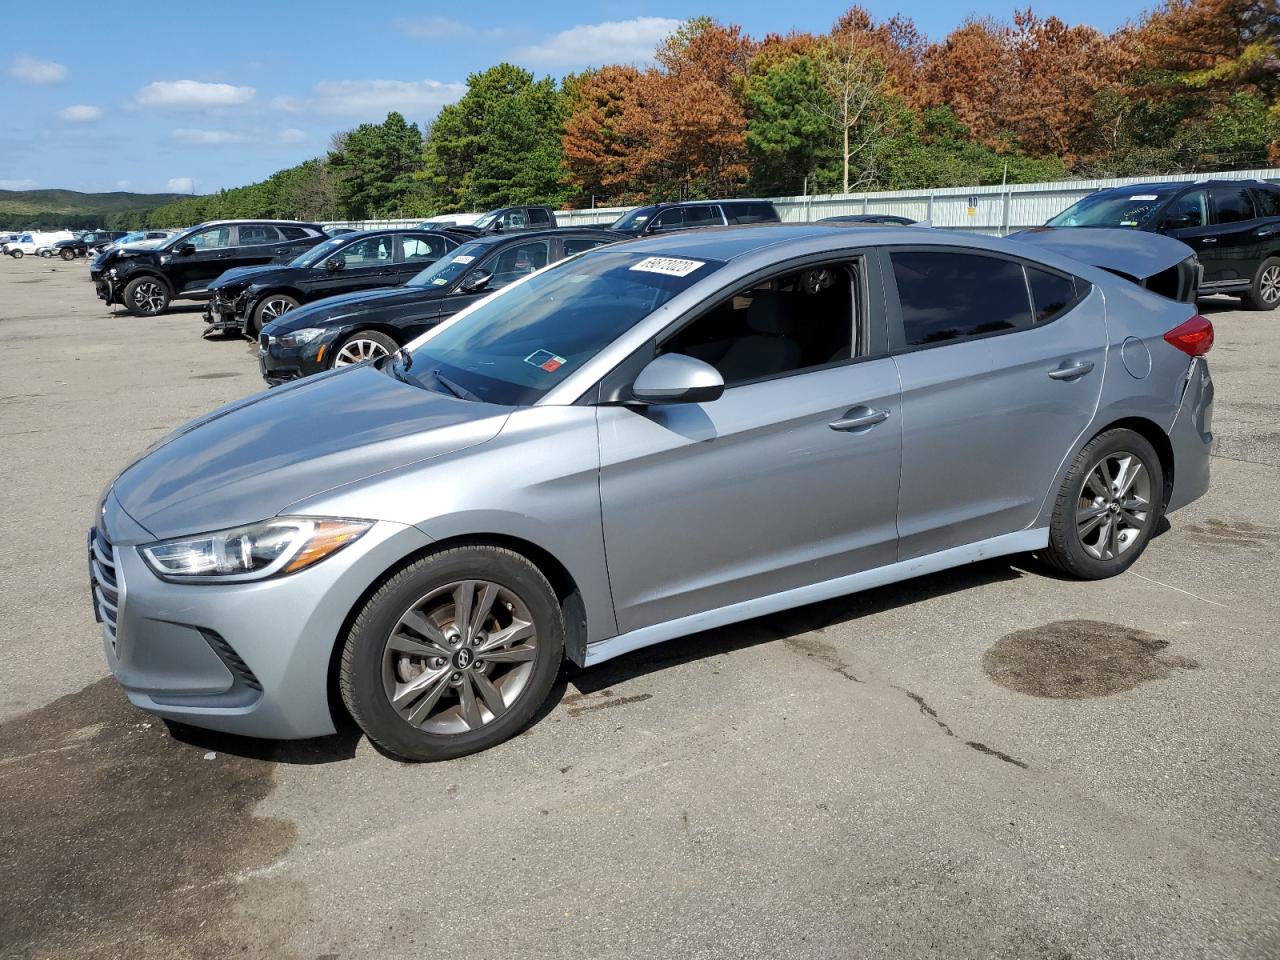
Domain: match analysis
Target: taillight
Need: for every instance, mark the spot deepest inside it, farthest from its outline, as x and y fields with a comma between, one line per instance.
x=1194, y=338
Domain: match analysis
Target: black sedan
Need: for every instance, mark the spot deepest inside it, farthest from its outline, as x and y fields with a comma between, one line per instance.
x=246, y=299
x=361, y=326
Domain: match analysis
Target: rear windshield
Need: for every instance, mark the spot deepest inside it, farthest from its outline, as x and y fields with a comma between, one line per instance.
x=1130, y=208
x=518, y=344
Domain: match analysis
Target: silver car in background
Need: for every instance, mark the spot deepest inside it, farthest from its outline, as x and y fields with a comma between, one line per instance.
x=638, y=443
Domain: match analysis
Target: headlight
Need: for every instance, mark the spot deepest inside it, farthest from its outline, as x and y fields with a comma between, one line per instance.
x=260, y=550
x=298, y=337
x=112, y=273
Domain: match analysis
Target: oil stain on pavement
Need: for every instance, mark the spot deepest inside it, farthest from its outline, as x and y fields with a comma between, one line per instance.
x=117, y=840
x=1074, y=659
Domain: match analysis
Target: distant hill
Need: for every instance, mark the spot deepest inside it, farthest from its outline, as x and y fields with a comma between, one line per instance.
x=30, y=209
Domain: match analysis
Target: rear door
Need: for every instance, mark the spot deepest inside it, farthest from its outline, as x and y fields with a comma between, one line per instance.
x=997, y=388
x=257, y=243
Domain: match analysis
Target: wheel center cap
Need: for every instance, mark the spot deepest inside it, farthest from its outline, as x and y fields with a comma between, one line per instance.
x=462, y=659
x=1114, y=507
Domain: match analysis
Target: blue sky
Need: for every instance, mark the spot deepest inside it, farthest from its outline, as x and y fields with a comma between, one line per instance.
x=205, y=95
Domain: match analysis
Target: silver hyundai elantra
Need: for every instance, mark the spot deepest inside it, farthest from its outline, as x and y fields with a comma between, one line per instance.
x=644, y=441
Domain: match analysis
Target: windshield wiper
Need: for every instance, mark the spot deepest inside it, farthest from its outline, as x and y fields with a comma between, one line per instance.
x=459, y=391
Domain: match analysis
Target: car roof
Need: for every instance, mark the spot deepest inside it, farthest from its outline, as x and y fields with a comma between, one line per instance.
x=490, y=239
x=1173, y=186
x=255, y=220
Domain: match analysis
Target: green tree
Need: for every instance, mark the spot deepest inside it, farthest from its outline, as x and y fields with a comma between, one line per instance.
x=376, y=167
x=789, y=141
x=499, y=144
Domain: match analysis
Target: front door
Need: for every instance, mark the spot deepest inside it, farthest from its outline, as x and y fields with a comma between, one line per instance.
x=213, y=253
x=789, y=479
x=362, y=265
x=1001, y=371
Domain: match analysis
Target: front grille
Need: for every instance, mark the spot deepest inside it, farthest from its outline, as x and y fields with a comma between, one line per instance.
x=104, y=581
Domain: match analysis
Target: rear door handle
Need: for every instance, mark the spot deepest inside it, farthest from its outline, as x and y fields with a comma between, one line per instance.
x=1071, y=371
x=858, y=418
x=1264, y=232
x=280, y=251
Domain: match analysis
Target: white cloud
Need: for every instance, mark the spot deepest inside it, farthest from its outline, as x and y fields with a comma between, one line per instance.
x=207, y=137
x=29, y=70
x=193, y=95
x=81, y=113
x=373, y=99
x=181, y=185
x=292, y=135
x=17, y=184
x=434, y=28
x=614, y=41
x=122, y=184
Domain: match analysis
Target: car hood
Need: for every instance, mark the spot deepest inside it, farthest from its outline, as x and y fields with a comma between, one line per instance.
x=1134, y=253
x=251, y=459
x=270, y=272
x=349, y=304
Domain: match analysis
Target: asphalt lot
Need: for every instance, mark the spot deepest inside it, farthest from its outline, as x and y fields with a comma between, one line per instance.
x=985, y=763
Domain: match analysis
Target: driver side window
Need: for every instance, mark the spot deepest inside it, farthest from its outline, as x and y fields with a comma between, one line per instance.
x=1189, y=210
x=369, y=252
x=791, y=322
x=515, y=262
x=669, y=220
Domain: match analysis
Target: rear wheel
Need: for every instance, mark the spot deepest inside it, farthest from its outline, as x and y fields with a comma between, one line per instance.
x=453, y=654
x=146, y=297
x=1265, y=292
x=363, y=345
x=46, y=254
x=1108, y=506
x=272, y=307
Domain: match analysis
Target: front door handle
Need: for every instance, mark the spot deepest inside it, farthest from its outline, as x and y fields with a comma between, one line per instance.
x=859, y=418
x=1208, y=239
x=1071, y=371
x=1264, y=232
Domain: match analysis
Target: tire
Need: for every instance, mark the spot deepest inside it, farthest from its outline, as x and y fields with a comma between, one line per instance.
x=1265, y=292
x=146, y=297
x=46, y=254
x=68, y=255
x=1094, y=533
x=414, y=608
x=272, y=306
x=17, y=254
x=360, y=346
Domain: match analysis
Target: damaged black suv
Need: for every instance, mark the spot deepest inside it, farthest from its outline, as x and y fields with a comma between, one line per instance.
x=146, y=280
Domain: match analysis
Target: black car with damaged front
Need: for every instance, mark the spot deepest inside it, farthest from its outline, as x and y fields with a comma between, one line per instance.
x=246, y=299
x=145, y=280
x=342, y=330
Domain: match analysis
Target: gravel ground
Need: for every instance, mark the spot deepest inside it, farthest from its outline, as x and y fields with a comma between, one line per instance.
x=986, y=763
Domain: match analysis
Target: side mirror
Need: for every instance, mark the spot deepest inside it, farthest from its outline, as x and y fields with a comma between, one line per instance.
x=676, y=378
x=185, y=249
x=334, y=264
x=1177, y=223
x=476, y=282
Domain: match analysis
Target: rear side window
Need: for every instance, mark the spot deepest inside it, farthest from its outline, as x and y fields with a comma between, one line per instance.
x=1268, y=201
x=1051, y=293
x=538, y=215
x=1231, y=204
x=701, y=216
x=293, y=233
x=578, y=244
x=949, y=296
x=254, y=234
x=751, y=213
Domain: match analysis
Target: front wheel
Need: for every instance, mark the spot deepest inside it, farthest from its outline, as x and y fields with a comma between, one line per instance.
x=17, y=254
x=361, y=346
x=146, y=297
x=1108, y=507
x=68, y=255
x=273, y=307
x=453, y=654
x=1265, y=292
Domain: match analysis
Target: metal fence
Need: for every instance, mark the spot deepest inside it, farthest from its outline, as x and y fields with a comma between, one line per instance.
x=992, y=210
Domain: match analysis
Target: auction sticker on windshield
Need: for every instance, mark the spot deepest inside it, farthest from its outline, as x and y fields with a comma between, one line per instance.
x=545, y=360
x=669, y=266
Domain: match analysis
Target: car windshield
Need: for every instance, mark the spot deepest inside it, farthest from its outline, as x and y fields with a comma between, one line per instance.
x=1126, y=209
x=633, y=219
x=517, y=345
x=448, y=269
x=309, y=258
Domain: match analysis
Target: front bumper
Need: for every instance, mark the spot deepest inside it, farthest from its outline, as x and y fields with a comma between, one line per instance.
x=107, y=288
x=280, y=364
x=225, y=316
x=247, y=658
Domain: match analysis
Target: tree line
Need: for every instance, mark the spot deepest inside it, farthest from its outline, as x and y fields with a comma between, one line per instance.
x=871, y=104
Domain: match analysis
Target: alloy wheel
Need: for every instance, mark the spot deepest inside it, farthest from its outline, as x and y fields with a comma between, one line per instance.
x=358, y=351
x=275, y=308
x=1114, y=506
x=459, y=657
x=148, y=297
x=1269, y=284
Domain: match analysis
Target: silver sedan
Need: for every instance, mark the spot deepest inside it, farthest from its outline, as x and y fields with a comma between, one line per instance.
x=641, y=442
